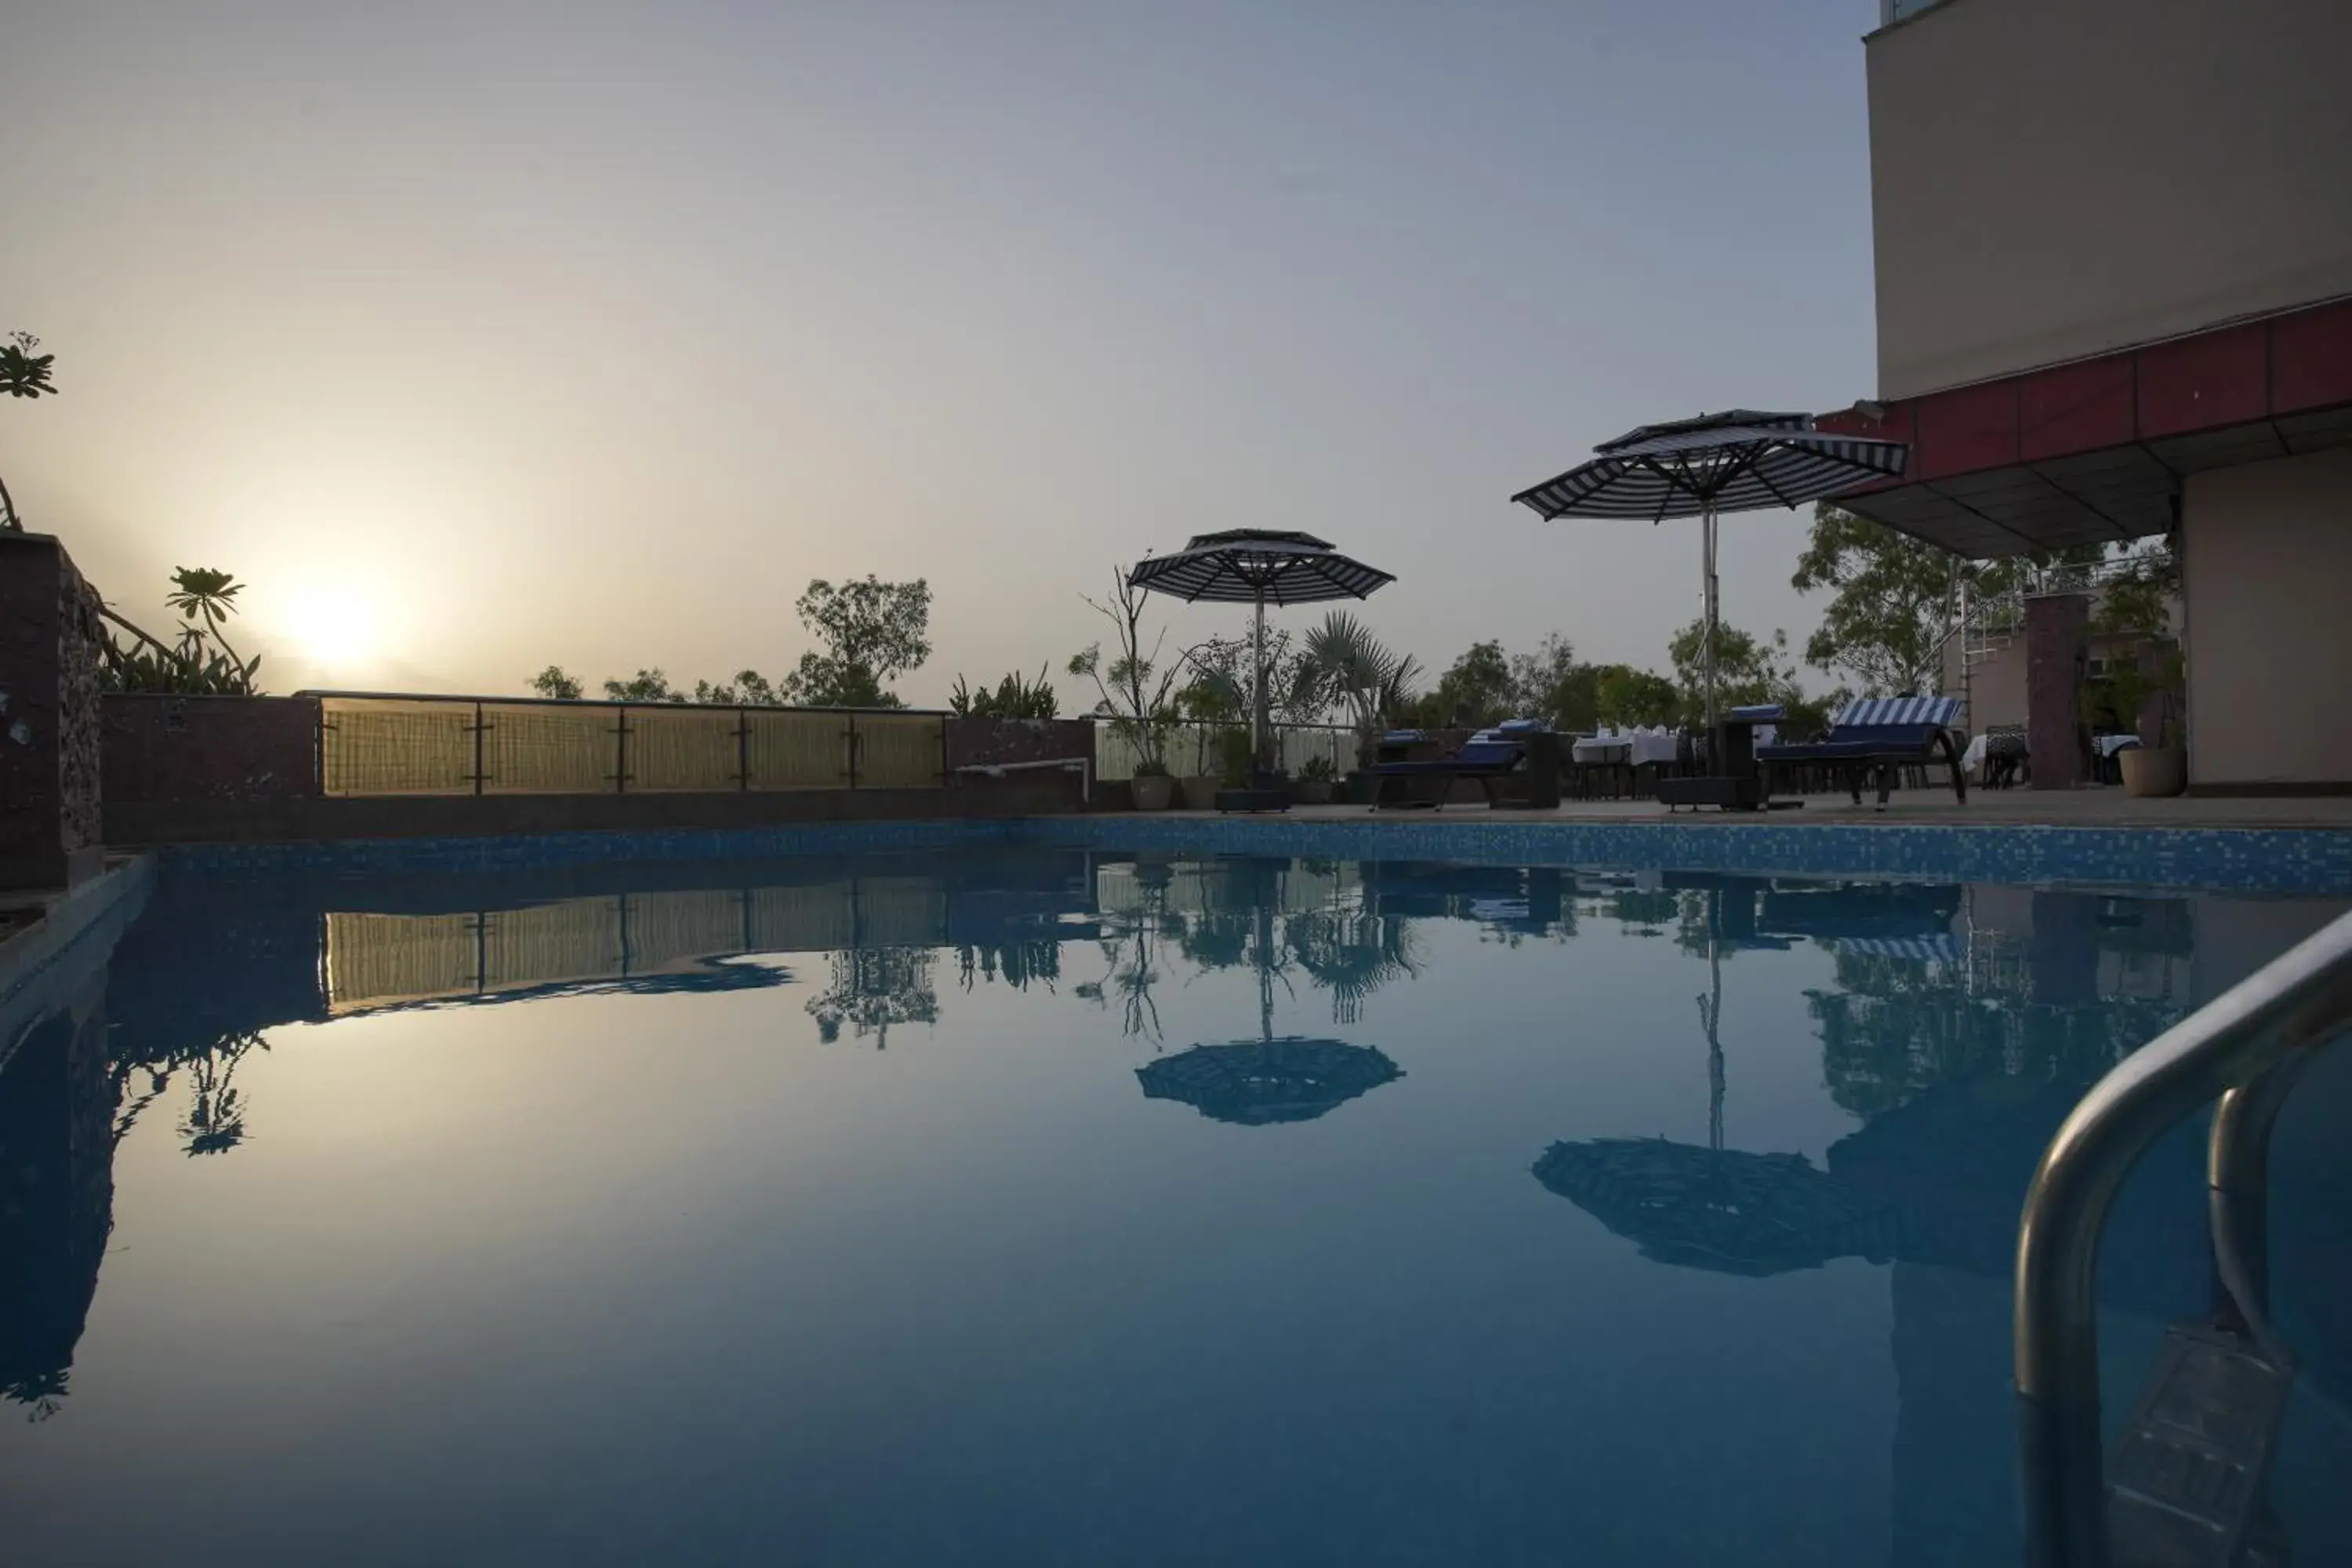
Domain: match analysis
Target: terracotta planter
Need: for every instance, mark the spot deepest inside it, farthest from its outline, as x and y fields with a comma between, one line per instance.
x=2154, y=770
x=1200, y=793
x=1152, y=792
x=1313, y=792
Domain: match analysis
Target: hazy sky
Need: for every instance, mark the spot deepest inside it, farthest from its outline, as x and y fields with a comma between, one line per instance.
x=475, y=336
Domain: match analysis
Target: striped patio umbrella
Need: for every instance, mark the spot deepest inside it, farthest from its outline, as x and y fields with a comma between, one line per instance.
x=1738, y=461
x=1259, y=567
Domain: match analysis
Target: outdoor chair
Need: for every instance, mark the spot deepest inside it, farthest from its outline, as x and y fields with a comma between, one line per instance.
x=1880, y=734
x=2005, y=755
x=1486, y=757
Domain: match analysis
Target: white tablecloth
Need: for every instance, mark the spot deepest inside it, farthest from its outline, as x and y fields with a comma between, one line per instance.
x=1634, y=746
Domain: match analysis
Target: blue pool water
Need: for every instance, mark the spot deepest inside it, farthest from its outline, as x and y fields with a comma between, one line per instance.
x=1032, y=1205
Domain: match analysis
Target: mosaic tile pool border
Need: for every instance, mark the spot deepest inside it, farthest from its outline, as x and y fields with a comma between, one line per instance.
x=2313, y=861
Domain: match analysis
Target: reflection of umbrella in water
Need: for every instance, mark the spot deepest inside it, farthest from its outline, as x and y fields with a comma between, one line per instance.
x=1723, y=1209
x=1264, y=1080
x=1718, y=1208
x=1255, y=1082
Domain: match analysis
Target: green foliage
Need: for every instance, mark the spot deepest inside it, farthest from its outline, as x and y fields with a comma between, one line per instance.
x=1014, y=698
x=191, y=666
x=2137, y=598
x=1895, y=601
x=1475, y=689
x=1371, y=683
x=23, y=374
x=1625, y=697
x=1317, y=769
x=1747, y=670
x=1151, y=768
x=1552, y=683
x=557, y=682
x=646, y=686
x=872, y=631
x=1234, y=755
x=750, y=688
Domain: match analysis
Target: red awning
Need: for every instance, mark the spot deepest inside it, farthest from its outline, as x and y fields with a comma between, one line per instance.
x=2095, y=450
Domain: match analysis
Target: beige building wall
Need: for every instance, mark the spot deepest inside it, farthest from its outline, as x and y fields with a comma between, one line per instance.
x=2051, y=179
x=2267, y=569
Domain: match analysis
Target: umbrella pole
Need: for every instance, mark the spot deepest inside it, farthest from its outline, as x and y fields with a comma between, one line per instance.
x=1257, y=688
x=1707, y=547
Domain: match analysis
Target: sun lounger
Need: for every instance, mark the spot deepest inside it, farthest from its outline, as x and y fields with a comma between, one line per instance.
x=1487, y=757
x=1883, y=733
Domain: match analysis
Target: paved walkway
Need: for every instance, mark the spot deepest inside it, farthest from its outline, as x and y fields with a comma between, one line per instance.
x=2097, y=807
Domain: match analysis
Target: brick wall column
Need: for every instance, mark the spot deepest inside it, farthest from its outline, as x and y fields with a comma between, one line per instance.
x=49, y=632
x=2057, y=639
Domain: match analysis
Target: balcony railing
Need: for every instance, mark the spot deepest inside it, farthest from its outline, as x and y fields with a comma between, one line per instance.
x=378, y=744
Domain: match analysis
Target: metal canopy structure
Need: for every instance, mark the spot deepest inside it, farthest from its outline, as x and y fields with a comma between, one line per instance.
x=1259, y=567
x=2095, y=452
x=1741, y=460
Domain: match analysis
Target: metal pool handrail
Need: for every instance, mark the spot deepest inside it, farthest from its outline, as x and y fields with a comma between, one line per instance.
x=2292, y=1005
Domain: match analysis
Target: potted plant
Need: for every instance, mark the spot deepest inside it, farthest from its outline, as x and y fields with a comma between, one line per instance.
x=1315, y=777
x=2159, y=770
x=1152, y=788
x=2144, y=696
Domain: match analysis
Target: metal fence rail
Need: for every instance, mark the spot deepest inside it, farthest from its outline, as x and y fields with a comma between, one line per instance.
x=377, y=744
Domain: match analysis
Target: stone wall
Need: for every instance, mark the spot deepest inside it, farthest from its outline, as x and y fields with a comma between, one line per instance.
x=972, y=742
x=49, y=761
x=160, y=747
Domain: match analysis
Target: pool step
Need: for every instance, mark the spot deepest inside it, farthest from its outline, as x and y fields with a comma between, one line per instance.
x=2186, y=1485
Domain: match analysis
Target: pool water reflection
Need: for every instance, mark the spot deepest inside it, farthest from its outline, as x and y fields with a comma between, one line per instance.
x=1036, y=1206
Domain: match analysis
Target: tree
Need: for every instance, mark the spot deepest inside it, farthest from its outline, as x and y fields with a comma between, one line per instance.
x=557, y=682
x=1748, y=669
x=750, y=688
x=1136, y=686
x=1895, y=600
x=1552, y=683
x=646, y=686
x=873, y=631
x=1475, y=689
x=23, y=374
x=1622, y=696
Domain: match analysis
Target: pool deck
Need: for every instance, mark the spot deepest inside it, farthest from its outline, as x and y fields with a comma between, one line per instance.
x=2105, y=807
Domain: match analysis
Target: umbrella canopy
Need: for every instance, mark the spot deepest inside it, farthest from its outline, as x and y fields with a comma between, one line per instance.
x=1722, y=1209
x=1737, y=461
x=1257, y=1082
x=1259, y=567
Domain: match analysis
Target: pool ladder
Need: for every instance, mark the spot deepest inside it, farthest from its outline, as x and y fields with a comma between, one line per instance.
x=2186, y=1485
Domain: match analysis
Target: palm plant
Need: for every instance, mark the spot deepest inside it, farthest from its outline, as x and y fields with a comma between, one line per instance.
x=1368, y=679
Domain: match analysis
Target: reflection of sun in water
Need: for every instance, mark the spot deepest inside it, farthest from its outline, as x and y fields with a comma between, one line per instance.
x=334, y=628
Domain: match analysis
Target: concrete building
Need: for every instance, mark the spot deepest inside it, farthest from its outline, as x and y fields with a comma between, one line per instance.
x=2113, y=257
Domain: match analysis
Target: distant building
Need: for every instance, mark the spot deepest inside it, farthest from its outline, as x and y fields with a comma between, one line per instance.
x=2113, y=258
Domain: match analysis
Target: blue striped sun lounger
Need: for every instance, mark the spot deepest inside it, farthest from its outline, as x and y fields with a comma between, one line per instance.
x=1882, y=733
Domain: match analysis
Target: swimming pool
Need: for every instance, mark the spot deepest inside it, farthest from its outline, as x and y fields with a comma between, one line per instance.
x=976, y=1202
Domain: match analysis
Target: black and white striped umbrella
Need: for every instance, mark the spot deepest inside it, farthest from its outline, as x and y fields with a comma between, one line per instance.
x=1259, y=567
x=1250, y=565
x=1738, y=461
